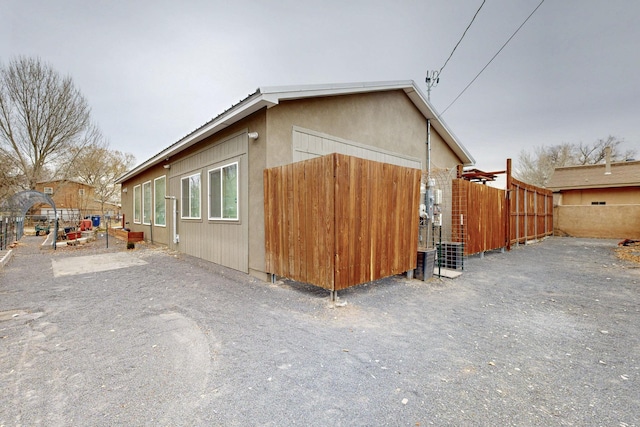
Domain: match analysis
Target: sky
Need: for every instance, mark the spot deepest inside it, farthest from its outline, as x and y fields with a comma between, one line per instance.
x=153, y=71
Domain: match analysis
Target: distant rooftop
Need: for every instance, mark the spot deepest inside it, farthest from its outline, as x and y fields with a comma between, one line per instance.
x=623, y=174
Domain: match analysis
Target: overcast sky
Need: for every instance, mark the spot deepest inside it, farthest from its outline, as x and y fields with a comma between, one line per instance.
x=153, y=71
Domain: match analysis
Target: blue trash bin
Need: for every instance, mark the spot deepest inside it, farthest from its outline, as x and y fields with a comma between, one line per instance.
x=95, y=220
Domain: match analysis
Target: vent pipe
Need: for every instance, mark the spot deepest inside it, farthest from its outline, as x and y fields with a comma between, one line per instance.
x=607, y=155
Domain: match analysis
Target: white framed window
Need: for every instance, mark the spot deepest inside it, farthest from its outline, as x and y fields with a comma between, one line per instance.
x=48, y=190
x=159, y=207
x=137, y=204
x=190, y=197
x=146, y=203
x=81, y=191
x=223, y=192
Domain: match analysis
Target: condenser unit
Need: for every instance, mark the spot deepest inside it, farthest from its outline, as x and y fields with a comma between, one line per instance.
x=450, y=255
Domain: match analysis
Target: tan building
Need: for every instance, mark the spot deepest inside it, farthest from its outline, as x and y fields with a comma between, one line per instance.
x=204, y=194
x=72, y=198
x=600, y=200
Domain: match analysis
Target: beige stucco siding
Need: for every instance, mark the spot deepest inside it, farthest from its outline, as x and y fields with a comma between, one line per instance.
x=442, y=156
x=362, y=118
x=257, y=164
x=611, y=196
x=603, y=221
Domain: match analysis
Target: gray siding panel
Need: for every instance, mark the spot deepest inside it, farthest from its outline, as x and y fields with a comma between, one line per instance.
x=308, y=144
x=224, y=243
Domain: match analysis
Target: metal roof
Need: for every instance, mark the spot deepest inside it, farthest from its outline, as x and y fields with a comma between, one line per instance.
x=271, y=96
x=623, y=174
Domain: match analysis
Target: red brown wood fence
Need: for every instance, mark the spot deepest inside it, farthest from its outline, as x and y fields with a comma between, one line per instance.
x=339, y=221
x=531, y=212
x=483, y=217
x=479, y=215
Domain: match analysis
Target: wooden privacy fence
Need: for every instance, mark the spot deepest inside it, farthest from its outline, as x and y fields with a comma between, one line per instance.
x=487, y=218
x=338, y=221
x=531, y=212
x=479, y=216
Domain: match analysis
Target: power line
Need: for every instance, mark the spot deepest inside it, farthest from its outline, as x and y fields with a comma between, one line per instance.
x=433, y=77
x=491, y=60
x=463, y=34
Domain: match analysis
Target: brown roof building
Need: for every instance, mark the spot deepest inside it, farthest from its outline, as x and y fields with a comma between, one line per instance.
x=597, y=200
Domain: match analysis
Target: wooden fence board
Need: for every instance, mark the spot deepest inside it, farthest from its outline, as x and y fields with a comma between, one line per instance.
x=338, y=221
x=486, y=211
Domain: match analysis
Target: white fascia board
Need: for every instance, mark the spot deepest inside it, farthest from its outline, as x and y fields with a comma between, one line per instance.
x=283, y=93
x=227, y=119
x=439, y=124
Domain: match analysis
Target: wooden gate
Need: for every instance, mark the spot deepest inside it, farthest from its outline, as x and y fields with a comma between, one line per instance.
x=338, y=221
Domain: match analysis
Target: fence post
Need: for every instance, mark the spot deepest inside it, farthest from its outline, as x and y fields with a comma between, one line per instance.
x=517, y=239
x=508, y=203
x=535, y=217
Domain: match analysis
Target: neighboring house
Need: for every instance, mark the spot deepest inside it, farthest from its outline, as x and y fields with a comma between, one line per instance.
x=72, y=198
x=204, y=194
x=600, y=200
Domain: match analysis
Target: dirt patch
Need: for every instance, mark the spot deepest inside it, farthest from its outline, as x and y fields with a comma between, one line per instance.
x=631, y=252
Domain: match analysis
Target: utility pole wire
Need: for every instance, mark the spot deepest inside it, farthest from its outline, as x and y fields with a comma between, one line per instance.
x=491, y=60
x=463, y=34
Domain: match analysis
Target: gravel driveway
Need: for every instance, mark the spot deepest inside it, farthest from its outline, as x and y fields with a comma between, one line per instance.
x=544, y=335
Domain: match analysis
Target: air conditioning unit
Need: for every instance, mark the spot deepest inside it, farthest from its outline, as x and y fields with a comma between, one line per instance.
x=451, y=255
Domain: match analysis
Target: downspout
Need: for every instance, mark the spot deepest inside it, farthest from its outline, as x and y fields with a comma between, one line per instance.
x=176, y=238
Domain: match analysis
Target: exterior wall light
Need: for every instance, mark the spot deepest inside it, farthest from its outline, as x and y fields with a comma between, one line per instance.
x=253, y=135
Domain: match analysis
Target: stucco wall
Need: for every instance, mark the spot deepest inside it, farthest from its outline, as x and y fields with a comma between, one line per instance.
x=442, y=156
x=386, y=120
x=604, y=221
x=612, y=196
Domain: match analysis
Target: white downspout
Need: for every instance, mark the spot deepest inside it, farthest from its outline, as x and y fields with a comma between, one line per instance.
x=176, y=238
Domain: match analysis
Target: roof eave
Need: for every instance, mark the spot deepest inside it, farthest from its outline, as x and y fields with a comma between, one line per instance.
x=270, y=96
x=592, y=187
x=252, y=104
x=429, y=112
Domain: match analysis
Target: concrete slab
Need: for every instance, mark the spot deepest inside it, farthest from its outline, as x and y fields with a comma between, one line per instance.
x=93, y=263
x=445, y=272
x=5, y=256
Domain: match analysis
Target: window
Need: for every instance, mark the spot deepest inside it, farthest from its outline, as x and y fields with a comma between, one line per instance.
x=137, y=201
x=48, y=190
x=191, y=197
x=223, y=192
x=598, y=203
x=81, y=191
x=146, y=203
x=160, y=210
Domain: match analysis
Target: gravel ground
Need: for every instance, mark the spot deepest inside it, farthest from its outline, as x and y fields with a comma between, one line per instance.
x=544, y=335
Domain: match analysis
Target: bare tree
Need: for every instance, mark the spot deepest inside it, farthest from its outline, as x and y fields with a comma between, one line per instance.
x=99, y=167
x=9, y=178
x=537, y=167
x=42, y=118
